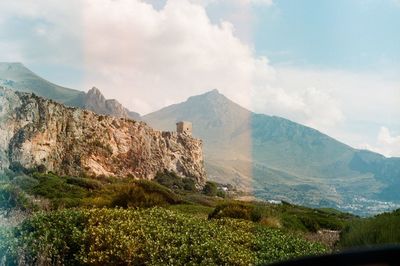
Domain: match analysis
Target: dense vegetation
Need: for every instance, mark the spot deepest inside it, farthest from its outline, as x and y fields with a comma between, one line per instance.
x=115, y=220
x=67, y=192
x=285, y=215
x=173, y=181
x=381, y=229
x=169, y=191
x=148, y=236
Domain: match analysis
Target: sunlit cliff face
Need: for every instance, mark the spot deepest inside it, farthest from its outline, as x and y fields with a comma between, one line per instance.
x=37, y=132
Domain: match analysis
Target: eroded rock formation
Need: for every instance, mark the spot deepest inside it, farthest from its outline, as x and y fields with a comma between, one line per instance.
x=68, y=141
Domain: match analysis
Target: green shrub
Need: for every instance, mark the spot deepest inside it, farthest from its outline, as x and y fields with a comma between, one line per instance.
x=52, y=186
x=25, y=182
x=236, y=210
x=145, y=237
x=292, y=222
x=189, y=184
x=12, y=197
x=47, y=239
x=4, y=177
x=310, y=223
x=381, y=229
x=221, y=194
x=172, y=181
x=192, y=209
x=274, y=245
x=58, y=190
x=8, y=253
x=17, y=167
x=202, y=200
x=256, y=214
x=87, y=183
x=144, y=193
x=152, y=187
x=135, y=196
x=210, y=189
x=307, y=219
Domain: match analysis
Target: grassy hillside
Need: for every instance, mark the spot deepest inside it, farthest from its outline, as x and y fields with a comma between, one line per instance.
x=168, y=221
x=90, y=221
x=66, y=192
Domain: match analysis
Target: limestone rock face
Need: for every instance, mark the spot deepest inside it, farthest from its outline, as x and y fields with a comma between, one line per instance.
x=96, y=102
x=68, y=141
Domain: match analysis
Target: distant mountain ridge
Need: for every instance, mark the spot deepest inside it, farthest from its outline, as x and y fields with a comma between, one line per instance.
x=17, y=76
x=279, y=159
x=270, y=156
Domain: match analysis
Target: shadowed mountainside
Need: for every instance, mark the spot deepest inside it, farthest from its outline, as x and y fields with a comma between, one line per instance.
x=276, y=158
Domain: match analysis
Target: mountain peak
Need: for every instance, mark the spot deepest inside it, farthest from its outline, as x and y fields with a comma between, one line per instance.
x=96, y=102
x=94, y=90
x=214, y=101
x=213, y=96
x=96, y=93
x=13, y=66
x=214, y=91
x=94, y=96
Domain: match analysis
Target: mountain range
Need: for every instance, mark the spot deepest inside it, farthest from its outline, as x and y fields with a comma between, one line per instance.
x=276, y=158
x=17, y=76
x=269, y=156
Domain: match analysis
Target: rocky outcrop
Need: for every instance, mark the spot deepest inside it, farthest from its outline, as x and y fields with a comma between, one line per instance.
x=68, y=141
x=18, y=77
x=96, y=102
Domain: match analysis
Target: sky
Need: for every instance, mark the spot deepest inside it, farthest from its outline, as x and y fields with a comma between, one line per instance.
x=333, y=65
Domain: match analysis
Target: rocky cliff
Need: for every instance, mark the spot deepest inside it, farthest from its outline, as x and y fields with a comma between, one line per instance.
x=96, y=102
x=38, y=132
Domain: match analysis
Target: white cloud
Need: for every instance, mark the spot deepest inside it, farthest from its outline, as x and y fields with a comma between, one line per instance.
x=352, y=105
x=240, y=2
x=167, y=55
x=150, y=57
x=385, y=137
x=43, y=30
x=387, y=143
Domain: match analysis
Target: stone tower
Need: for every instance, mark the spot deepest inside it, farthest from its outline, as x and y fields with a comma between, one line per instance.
x=184, y=127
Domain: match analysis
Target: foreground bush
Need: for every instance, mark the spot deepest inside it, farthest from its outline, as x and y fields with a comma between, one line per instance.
x=13, y=198
x=381, y=229
x=145, y=194
x=173, y=181
x=210, y=189
x=236, y=210
x=151, y=236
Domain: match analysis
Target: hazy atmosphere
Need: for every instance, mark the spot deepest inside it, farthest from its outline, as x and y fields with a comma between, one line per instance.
x=200, y=132
x=331, y=65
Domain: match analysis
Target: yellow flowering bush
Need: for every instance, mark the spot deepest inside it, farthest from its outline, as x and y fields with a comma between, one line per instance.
x=155, y=236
